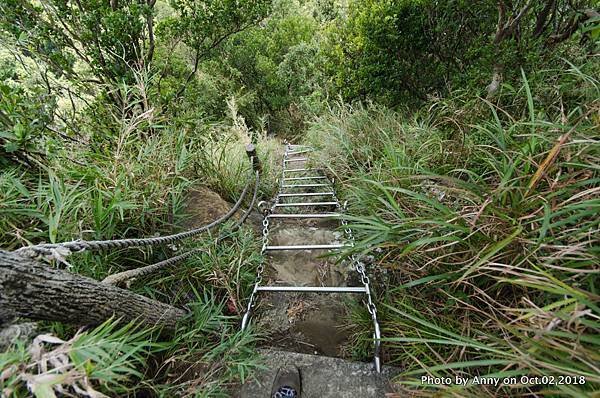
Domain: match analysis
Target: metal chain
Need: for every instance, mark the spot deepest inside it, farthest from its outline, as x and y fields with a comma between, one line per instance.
x=280, y=188
x=260, y=269
x=360, y=268
x=265, y=242
x=358, y=264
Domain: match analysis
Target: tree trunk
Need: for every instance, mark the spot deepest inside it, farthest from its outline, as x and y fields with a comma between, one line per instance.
x=494, y=85
x=542, y=18
x=32, y=290
x=150, y=27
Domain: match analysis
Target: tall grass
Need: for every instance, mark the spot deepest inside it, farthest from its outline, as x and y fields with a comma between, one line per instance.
x=106, y=358
x=123, y=178
x=205, y=358
x=485, y=216
x=128, y=177
x=223, y=159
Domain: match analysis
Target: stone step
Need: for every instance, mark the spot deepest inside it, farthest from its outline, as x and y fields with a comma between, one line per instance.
x=322, y=377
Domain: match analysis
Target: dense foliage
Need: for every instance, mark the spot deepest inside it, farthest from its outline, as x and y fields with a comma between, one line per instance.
x=488, y=234
x=464, y=136
x=407, y=51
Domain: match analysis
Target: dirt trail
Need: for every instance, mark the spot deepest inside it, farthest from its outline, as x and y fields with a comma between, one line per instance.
x=305, y=322
x=298, y=325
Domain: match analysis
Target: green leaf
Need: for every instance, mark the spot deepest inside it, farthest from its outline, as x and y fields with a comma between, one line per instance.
x=11, y=146
x=491, y=252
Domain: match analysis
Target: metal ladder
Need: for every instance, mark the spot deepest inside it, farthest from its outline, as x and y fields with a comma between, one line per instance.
x=289, y=175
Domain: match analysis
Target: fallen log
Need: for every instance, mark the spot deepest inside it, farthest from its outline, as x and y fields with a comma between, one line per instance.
x=36, y=291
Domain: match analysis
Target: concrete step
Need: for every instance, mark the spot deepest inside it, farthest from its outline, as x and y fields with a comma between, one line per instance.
x=322, y=377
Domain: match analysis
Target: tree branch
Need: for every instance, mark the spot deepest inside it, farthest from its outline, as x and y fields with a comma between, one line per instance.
x=35, y=291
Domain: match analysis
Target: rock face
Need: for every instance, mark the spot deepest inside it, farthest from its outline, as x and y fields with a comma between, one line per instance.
x=322, y=377
x=10, y=333
x=203, y=206
x=305, y=268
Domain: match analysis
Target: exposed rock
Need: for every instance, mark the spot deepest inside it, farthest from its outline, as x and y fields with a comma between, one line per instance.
x=203, y=206
x=304, y=322
x=310, y=323
x=322, y=377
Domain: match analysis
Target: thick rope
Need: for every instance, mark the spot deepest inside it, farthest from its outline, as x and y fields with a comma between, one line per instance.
x=246, y=213
x=58, y=251
x=124, y=276
x=121, y=277
x=252, y=202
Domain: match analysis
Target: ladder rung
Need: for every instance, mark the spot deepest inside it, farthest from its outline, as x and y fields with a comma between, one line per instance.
x=300, y=151
x=307, y=204
x=287, y=195
x=307, y=247
x=305, y=215
x=313, y=289
x=298, y=170
x=295, y=160
x=305, y=178
x=304, y=185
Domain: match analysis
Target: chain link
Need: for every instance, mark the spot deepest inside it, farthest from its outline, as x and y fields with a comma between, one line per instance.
x=265, y=240
x=360, y=268
x=354, y=258
x=261, y=267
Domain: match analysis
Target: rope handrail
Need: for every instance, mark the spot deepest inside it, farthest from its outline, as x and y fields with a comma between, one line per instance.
x=247, y=212
x=121, y=277
x=58, y=251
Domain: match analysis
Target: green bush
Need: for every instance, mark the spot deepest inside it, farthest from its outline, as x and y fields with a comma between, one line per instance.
x=24, y=125
x=408, y=52
x=488, y=240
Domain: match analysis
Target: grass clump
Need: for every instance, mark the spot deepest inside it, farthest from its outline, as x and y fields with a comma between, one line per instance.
x=131, y=180
x=205, y=358
x=483, y=214
x=208, y=359
x=223, y=159
x=105, y=358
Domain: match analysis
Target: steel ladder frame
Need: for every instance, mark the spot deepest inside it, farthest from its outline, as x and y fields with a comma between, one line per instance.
x=292, y=150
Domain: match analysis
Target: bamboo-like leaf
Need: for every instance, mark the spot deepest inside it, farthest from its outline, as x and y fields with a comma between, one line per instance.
x=491, y=252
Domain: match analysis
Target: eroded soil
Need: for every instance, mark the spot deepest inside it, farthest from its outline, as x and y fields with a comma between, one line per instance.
x=310, y=323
